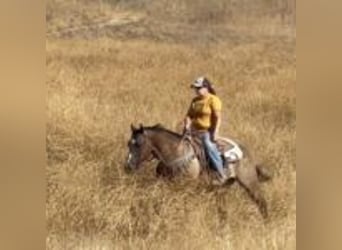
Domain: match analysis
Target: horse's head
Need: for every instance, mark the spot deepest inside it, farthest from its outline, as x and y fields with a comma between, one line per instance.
x=139, y=148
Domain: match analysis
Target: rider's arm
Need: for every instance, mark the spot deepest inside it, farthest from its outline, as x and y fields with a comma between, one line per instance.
x=187, y=122
x=216, y=124
x=216, y=107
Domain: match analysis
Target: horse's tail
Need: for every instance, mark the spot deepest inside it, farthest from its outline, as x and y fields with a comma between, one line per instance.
x=263, y=173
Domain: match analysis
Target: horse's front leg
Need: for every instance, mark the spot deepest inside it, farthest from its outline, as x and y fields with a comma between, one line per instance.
x=163, y=171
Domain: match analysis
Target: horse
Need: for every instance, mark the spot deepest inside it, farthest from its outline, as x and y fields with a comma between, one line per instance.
x=177, y=156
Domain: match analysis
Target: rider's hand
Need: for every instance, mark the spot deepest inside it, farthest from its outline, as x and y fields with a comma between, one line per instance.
x=186, y=131
x=214, y=137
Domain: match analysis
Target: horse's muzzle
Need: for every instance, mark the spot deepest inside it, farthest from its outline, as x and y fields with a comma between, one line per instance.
x=127, y=169
x=130, y=165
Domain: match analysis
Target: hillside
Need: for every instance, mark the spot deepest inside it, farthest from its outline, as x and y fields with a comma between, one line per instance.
x=137, y=68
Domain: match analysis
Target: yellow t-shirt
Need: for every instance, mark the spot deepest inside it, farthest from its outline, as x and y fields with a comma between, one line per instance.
x=201, y=110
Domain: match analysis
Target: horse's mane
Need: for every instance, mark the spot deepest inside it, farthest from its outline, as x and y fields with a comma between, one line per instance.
x=160, y=128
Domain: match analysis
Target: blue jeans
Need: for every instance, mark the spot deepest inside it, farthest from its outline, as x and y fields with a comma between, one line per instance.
x=212, y=153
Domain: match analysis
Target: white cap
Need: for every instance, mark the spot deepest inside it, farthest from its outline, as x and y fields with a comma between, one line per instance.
x=198, y=83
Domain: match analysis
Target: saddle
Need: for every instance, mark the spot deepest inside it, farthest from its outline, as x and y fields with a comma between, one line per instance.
x=230, y=150
x=199, y=150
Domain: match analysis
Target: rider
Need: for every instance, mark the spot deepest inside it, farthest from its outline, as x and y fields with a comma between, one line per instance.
x=204, y=117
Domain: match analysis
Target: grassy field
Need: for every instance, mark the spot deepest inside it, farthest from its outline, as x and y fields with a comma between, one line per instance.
x=99, y=84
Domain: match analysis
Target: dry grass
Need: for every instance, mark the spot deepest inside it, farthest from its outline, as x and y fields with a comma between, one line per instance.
x=96, y=88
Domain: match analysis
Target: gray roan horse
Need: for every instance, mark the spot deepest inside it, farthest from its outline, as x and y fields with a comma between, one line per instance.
x=177, y=156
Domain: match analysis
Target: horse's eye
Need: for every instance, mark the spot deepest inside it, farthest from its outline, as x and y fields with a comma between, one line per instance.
x=134, y=143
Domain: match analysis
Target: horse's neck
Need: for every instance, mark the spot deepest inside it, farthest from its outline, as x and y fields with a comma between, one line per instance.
x=165, y=143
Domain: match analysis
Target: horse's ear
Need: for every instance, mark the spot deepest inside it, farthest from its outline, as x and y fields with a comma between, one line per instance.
x=141, y=128
x=133, y=128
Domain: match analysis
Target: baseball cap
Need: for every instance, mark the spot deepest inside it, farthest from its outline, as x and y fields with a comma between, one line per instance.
x=198, y=83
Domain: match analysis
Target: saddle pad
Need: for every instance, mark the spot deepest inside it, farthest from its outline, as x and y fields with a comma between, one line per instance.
x=233, y=154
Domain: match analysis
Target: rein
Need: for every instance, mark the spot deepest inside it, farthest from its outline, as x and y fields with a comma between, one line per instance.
x=173, y=163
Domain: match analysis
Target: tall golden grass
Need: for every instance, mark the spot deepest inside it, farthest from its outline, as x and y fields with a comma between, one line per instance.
x=97, y=88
